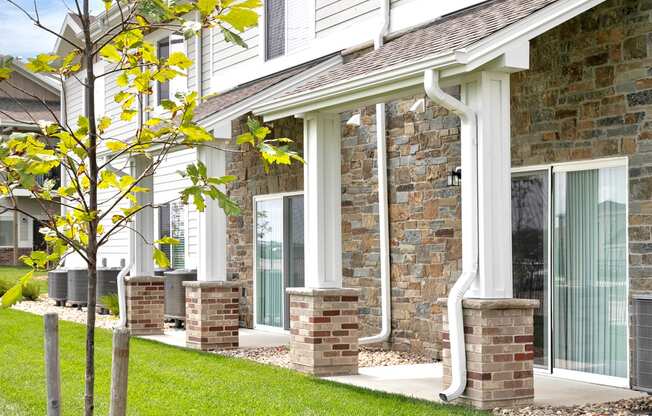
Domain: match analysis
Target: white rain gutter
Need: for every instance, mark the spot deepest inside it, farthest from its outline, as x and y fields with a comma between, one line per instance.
x=470, y=252
x=122, y=295
x=383, y=210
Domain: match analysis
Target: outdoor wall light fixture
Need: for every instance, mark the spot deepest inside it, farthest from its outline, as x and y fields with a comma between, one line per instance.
x=354, y=120
x=419, y=106
x=455, y=177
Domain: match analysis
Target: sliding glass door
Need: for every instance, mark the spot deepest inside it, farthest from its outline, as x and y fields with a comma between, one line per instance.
x=278, y=257
x=569, y=231
x=590, y=271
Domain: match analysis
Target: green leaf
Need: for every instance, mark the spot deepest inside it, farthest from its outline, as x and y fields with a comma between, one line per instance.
x=12, y=296
x=168, y=240
x=232, y=37
x=115, y=145
x=240, y=18
x=195, y=133
x=206, y=7
x=180, y=60
x=111, y=53
x=161, y=259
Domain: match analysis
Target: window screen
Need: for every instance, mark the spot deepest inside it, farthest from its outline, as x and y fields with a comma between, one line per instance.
x=171, y=223
x=274, y=28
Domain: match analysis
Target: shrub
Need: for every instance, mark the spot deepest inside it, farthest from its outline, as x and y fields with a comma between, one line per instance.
x=31, y=291
x=111, y=303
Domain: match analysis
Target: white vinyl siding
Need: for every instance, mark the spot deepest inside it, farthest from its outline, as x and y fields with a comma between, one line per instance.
x=191, y=46
x=167, y=187
x=117, y=248
x=206, y=61
x=74, y=100
x=299, y=28
x=226, y=54
x=334, y=14
x=119, y=129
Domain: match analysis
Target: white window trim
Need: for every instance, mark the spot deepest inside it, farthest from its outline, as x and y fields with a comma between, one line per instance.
x=256, y=199
x=574, y=166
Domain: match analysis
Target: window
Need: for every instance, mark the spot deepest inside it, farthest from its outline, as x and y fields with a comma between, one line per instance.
x=165, y=47
x=274, y=28
x=171, y=223
x=6, y=232
x=163, y=89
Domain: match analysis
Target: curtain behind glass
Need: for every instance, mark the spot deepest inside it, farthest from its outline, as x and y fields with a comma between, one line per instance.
x=589, y=298
x=269, y=262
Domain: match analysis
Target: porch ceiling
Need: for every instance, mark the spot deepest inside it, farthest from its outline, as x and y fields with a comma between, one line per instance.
x=496, y=31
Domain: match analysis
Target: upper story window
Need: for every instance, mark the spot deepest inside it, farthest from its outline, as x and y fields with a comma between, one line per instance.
x=275, y=28
x=165, y=47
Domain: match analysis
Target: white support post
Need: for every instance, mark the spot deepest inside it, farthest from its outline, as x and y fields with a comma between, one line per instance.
x=141, y=251
x=322, y=199
x=488, y=94
x=212, y=223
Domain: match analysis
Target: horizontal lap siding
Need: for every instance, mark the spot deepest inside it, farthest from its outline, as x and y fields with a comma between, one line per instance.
x=206, y=61
x=117, y=247
x=119, y=129
x=226, y=54
x=74, y=100
x=332, y=14
x=191, y=50
x=167, y=187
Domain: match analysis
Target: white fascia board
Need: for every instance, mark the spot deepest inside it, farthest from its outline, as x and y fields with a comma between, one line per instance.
x=451, y=63
x=246, y=105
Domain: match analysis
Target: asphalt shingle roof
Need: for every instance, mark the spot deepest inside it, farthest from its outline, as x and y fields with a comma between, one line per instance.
x=25, y=111
x=448, y=33
x=229, y=98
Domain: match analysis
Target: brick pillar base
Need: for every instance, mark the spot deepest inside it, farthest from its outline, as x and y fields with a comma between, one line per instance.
x=499, y=338
x=212, y=315
x=145, y=300
x=324, y=331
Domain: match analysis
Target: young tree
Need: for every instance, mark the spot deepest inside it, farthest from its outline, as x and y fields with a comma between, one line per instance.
x=86, y=151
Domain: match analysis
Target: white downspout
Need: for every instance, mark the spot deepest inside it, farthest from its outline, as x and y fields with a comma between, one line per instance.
x=470, y=252
x=383, y=211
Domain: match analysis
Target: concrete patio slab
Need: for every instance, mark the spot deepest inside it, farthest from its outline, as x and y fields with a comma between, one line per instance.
x=249, y=338
x=424, y=381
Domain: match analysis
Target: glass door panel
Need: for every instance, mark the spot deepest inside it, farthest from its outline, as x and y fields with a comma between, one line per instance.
x=269, y=262
x=294, y=266
x=590, y=271
x=530, y=210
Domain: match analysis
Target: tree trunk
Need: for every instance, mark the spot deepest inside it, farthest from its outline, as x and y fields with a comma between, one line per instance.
x=92, y=173
x=15, y=230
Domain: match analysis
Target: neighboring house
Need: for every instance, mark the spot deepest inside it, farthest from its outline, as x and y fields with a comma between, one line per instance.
x=562, y=93
x=29, y=99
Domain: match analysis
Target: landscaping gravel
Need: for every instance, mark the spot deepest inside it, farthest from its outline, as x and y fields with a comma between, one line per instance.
x=629, y=407
x=280, y=356
x=44, y=305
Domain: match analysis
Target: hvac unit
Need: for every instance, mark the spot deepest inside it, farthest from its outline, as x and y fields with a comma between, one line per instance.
x=78, y=287
x=175, y=294
x=58, y=286
x=642, y=310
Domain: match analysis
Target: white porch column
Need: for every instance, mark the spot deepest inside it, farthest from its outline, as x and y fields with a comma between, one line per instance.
x=488, y=93
x=143, y=263
x=212, y=223
x=322, y=200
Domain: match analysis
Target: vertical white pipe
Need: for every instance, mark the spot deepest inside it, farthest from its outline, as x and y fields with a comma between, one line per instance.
x=383, y=210
x=470, y=239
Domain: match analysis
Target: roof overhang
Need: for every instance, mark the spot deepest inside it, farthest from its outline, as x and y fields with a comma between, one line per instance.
x=508, y=47
x=221, y=120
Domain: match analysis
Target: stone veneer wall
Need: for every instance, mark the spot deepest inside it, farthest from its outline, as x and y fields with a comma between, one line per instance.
x=425, y=224
x=247, y=165
x=588, y=95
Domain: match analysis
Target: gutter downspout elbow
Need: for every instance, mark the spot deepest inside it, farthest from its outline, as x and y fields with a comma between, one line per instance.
x=470, y=252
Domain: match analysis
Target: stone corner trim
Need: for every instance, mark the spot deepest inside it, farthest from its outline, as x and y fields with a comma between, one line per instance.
x=324, y=331
x=499, y=337
x=212, y=315
x=145, y=304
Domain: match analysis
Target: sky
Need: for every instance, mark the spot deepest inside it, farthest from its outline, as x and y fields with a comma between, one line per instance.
x=19, y=35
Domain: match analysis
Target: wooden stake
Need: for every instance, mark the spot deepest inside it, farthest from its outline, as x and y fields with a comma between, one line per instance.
x=52, y=369
x=119, y=372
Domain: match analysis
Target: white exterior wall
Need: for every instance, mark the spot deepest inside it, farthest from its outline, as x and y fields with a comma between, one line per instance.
x=74, y=104
x=333, y=15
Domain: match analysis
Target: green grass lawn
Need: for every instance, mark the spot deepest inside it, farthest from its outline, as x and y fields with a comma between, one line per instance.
x=12, y=274
x=166, y=380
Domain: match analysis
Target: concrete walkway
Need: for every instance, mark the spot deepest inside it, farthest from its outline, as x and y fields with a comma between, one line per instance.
x=249, y=338
x=424, y=381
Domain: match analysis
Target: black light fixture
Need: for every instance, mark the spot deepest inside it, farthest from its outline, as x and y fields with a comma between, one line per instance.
x=455, y=177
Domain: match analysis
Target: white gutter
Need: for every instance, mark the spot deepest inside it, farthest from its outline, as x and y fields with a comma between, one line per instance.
x=470, y=252
x=122, y=295
x=383, y=211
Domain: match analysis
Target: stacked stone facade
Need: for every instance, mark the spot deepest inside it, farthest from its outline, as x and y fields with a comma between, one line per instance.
x=499, y=352
x=588, y=95
x=212, y=315
x=145, y=305
x=248, y=167
x=324, y=331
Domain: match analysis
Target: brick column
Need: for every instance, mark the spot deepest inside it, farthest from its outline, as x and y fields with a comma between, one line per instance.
x=324, y=331
x=145, y=300
x=212, y=315
x=499, y=339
